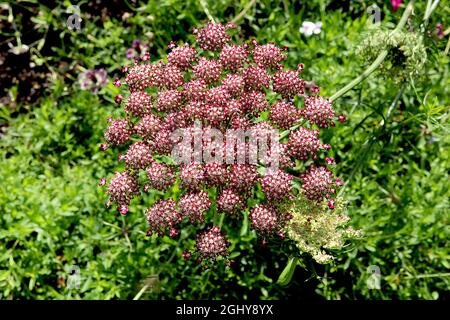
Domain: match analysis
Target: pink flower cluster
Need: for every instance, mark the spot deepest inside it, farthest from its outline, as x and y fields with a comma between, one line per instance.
x=224, y=86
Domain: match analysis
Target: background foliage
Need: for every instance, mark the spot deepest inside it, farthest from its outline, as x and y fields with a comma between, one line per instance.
x=52, y=215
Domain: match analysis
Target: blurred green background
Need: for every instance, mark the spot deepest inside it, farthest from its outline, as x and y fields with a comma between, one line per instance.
x=52, y=213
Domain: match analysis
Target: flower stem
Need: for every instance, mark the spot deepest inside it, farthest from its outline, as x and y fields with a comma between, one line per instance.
x=141, y=292
x=361, y=77
x=243, y=12
x=431, y=6
x=383, y=54
x=447, y=48
x=206, y=10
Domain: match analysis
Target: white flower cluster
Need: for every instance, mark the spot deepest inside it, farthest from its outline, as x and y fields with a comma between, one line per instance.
x=315, y=228
x=309, y=28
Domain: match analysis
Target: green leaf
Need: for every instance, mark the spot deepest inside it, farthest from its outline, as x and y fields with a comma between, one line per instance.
x=288, y=272
x=244, y=228
x=32, y=283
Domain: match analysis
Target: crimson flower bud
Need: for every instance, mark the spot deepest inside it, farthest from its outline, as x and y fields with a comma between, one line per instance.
x=211, y=244
x=230, y=262
x=315, y=89
x=123, y=210
x=102, y=182
x=173, y=232
x=331, y=204
x=171, y=45
x=118, y=99
x=342, y=118
x=117, y=82
x=187, y=255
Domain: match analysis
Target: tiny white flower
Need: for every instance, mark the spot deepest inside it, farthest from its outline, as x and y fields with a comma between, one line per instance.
x=318, y=26
x=19, y=49
x=309, y=28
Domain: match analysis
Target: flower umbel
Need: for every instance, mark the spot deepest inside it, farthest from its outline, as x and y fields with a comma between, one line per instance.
x=221, y=107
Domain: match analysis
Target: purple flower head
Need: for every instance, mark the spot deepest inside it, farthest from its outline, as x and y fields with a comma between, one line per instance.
x=101, y=77
x=138, y=50
x=439, y=33
x=130, y=53
x=136, y=43
x=92, y=79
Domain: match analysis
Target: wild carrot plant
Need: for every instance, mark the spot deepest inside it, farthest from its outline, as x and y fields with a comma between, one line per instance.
x=223, y=122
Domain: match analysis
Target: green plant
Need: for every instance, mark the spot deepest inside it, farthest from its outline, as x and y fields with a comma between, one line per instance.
x=397, y=192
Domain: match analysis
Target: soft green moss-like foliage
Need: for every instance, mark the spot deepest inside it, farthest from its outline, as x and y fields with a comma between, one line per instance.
x=315, y=228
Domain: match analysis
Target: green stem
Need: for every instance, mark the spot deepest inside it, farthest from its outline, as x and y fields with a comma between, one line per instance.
x=383, y=54
x=243, y=12
x=432, y=275
x=205, y=9
x=431, y=6
x=141, y=292
x=222, y=217
x=293, y=128
x=447, y=48
x=361, y=77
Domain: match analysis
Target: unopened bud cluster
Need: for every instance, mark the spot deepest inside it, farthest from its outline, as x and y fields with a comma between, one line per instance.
x=406, y=53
